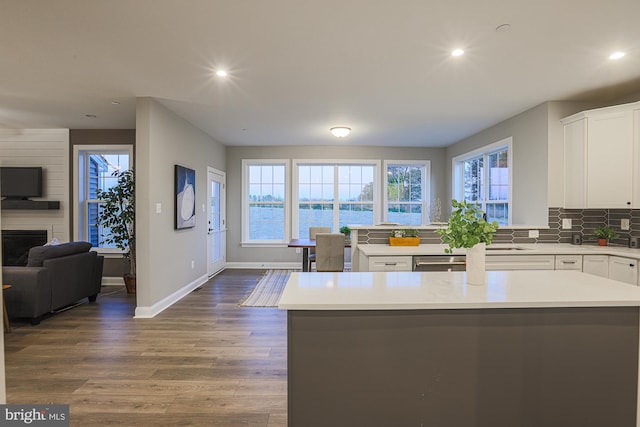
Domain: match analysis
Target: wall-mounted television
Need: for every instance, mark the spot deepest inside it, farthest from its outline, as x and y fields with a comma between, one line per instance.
x=20, y=182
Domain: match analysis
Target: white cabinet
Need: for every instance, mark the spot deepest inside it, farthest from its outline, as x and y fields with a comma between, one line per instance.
x=623, y=269
x=569, y=262
x=520, y=262
x=599, y=164
x=390, y=263
x=596, y=264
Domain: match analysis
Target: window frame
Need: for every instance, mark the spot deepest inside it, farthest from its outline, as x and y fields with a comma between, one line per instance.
x=295, y=219
x=244, y=239
x=485, y=151
x=80, y=181
x=426, y=188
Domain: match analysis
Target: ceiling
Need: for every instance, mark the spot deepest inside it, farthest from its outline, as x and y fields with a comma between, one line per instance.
x=297, y=68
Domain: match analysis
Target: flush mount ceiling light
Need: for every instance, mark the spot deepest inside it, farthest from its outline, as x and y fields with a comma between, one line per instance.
x=221, y=73
x=340, y=131
x=617, y=55
x=457, y=52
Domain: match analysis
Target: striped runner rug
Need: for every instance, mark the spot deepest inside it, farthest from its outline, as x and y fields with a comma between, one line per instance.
x=268, y=290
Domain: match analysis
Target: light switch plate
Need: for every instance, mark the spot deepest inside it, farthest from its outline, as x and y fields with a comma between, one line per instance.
x=566, y=223
x=158, y=207
x=624, y=224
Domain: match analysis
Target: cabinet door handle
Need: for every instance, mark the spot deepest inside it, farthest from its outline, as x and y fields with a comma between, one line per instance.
x=569, y=262
x=390, y=263
x=632, y=265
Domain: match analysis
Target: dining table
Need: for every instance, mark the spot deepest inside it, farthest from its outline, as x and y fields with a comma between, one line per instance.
x=307, y=244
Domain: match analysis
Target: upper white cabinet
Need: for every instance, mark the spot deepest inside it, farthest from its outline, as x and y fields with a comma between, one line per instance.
x=601, y=150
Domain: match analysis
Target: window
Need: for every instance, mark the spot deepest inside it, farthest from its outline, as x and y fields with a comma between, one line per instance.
x=406, y=190
x=334, y=194
x=265, y=218
x=94, y=166
x=484, y=176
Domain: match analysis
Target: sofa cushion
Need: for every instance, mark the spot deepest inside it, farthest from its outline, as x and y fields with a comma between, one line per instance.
x=39, y=254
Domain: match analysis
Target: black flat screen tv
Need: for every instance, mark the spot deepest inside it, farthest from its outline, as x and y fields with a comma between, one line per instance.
x=20, y=182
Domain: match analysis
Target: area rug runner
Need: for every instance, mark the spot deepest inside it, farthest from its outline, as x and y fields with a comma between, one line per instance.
x=268, y=290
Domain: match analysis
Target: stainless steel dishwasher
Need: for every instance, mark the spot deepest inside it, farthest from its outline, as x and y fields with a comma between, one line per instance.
x=439, y=263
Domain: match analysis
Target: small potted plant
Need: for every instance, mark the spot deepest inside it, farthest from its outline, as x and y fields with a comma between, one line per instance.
x=468, y=228
x=404, y=237
x=605, y=234
x=117, y=213
x=346, y=231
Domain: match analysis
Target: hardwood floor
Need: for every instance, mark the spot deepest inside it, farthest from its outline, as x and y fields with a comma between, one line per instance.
x=202, y=362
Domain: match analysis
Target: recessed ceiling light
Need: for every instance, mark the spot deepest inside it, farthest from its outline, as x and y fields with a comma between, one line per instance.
x=115, y=102
x=617, y=55
x=503, y=28
x=340, y=131
x=90, y=116
x=221, y=73
x=457, y=52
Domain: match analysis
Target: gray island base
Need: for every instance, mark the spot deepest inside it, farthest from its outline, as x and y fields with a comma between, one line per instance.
x=466, y=366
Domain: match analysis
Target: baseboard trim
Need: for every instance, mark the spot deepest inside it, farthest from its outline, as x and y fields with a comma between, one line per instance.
x=148, y=312
x=264, y=265
x=269, y=265
x=112, y=281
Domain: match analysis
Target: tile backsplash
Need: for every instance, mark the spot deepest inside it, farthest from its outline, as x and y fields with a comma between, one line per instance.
x=583, y=221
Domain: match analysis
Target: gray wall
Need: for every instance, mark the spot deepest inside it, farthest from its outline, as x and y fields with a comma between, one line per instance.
x=164, y=254
x=529, y=157
x=236, y=253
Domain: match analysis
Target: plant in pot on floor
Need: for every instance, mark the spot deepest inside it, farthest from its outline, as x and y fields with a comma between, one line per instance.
x=605, y=234
x=117, y=219
x=468, y=228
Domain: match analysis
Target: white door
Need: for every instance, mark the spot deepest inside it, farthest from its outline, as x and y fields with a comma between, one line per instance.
x=216, y=222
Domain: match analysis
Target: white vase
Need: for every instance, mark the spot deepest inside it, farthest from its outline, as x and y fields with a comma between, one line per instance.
x=476, y=271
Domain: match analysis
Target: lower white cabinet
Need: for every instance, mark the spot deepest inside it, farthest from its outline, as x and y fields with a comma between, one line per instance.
x=569, y=262
x=596, y=264
x=520, y=262
x=623, y=269
x=390, y=263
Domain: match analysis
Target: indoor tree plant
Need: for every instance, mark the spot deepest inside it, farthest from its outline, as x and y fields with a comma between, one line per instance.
x=605, y=234
x=117, y=213
x=468, y=228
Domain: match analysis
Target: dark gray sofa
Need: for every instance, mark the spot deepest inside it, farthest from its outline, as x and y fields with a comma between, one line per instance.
x=55, y=276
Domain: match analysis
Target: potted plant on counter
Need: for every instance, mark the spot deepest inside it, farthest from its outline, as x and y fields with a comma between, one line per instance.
x=467, y=228
x=117, y=218
x=346, y=230
x=605, y=234
x=404, y=237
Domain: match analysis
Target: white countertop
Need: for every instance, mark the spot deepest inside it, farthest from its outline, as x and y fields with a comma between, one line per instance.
x=448, y=290
x=526, y=249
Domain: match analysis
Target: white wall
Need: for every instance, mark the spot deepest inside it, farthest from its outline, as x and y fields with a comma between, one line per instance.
x=164, y=140
x=48, y=148
x=235, y=154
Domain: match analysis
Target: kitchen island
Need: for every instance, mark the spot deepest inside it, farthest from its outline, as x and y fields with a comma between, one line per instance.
x=531, y=348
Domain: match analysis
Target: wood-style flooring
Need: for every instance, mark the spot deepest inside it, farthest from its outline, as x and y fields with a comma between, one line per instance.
x=205, y=361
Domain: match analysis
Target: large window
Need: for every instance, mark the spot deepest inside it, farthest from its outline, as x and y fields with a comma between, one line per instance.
x=265, y=201
x=407, y=192
x=334, y=194
x=95, y=167
x=484, y=177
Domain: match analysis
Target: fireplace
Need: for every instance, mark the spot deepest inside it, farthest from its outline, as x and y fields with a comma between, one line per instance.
x=16, y=245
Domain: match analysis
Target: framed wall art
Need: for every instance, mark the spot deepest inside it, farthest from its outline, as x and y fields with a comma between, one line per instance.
x=185, y=180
